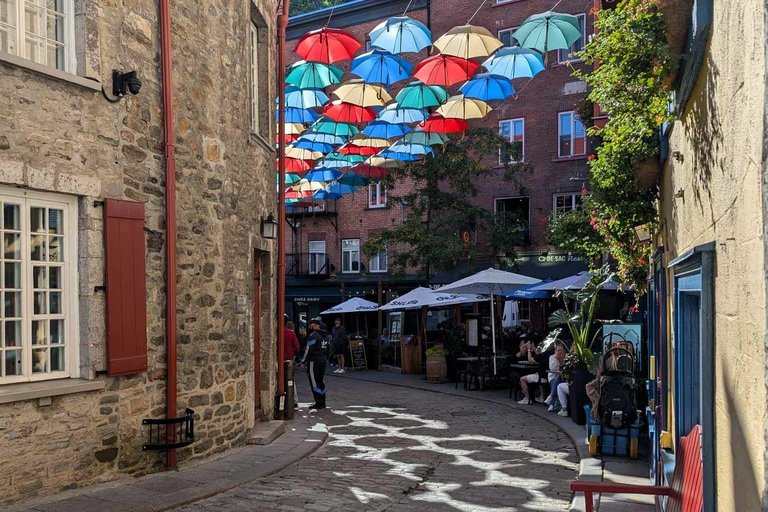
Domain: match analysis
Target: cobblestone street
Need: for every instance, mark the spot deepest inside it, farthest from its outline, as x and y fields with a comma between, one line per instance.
x=399, y=449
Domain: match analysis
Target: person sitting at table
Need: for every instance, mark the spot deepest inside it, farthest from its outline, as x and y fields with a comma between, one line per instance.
x=522, y=353
x=563, y=393
x=554, y=375
x=541, y=359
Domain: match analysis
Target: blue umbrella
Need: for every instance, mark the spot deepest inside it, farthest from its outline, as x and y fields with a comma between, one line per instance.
x=324, y=138
x=339, y=161
x=297, y=115
x=303, y=98
x=487, y=87
x=392, y=113
x=515, y=62
x=323, y=174
x=528, y=292
x=324, y=194
x=313, y=146
x=381, y=67
x=383, y=130
x=399, y=155
x=401, y=34
x=353, y=180
x=411, y=149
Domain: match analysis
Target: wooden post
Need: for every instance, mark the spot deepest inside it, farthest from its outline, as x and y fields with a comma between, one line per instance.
x=379, y=314
x=342, y=292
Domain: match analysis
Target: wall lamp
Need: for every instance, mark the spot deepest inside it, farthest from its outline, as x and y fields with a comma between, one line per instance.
x=643, y=233
x=269, y=227
x=122, y=84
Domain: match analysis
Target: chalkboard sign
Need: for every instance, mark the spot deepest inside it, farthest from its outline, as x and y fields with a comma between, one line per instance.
x=357, y=353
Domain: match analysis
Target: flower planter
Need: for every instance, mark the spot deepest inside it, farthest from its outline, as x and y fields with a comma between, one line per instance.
x=436, y=369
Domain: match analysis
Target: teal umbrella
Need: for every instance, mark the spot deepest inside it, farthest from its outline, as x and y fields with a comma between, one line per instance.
x=313, y=75
x=339, y=161
x=395, y=114
x=324, y=138
x=548, y=31
x=290, y=178
x=325, y=124
x=353, y=180
x=419, y=136
x=420, y=95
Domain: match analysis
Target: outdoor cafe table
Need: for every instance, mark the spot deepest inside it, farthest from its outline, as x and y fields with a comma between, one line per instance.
x=468, y=360
x=524, y=369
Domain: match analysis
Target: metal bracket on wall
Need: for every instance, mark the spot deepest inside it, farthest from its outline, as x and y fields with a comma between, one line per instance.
x=96, y=204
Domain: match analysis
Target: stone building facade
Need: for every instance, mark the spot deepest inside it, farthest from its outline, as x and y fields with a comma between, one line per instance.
x=63, y=421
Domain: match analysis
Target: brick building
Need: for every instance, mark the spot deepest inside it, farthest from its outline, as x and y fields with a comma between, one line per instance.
x=67, y=416
x=541, y=118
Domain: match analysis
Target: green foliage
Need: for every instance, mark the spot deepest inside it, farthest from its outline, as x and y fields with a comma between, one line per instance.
x=436, y=351
x=631, y=47
x=574, y=232
x=438, y=207
x=305, y=6
x=507, y=230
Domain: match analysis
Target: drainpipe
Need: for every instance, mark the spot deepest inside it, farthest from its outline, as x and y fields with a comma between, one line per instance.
x=282, y=22
x=169, y=138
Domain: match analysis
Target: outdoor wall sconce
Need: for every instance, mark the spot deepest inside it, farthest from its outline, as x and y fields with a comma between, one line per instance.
x=680, y=194
x=122, y=84
x=642, y=233
x=269, y=227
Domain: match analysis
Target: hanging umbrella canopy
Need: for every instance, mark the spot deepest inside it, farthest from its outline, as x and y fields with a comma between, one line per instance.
x=338, y=188
x=337, y=161
x=353, y=180
x=460, y=107
x=343, y=112
x=531, y=292
x=295, y=194
x=421, y=297
x=295, y=165
x=301, y=154
x=445, y=70
x=401, y=34
x=303, y=98
x=488, y=87
x=364, y=141
x=420, y=95
x=353, y=149
x=574, y=282
x=395, y=114
x=369, y=171
x=383, y=130
x=294, y=128
x=322, y=175
x=306, y=186
x=323, y=138
x=381, y=67
x=411, y=149
x=297, y=115
x=548, y=31
x=419, y=136
x=440, y=124
x=288, y=139
x=313, y=146
x=290, y=178
x=362, y=94
x=313, y=75
x=384, y=163
x=324, y=194
x=401, y=156
x=515, y=62
x=325, y=124
x=353, y=305
x=327, y=45
x=468, y=42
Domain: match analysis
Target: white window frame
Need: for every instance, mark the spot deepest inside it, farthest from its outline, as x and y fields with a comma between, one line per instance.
x=381, y=195
x=254, y=43
x=69, y=294
x=20, y=37
x=316, y=262
x=522, y=153
x=574, y=203
x=351, y=261
x=574, y=119
x=510, y=30
x=374, y=265
x=562, y=55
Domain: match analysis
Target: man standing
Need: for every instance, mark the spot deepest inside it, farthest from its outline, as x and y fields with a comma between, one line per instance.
x=316, y=355
x=339, y=344
x=291, y=351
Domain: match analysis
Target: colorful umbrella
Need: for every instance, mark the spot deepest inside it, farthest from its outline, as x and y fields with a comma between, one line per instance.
x=303, y=98
x=394, y=114
x=370, y=171
x=324, y=138
x=381, y=67
x=353, y=180
x=296, y=165
x=411, y=149
x=362, y=94
x=301, y=153
x=402, y=156
x=339, y=188
x=419, y=136
x=468, y=42
x=420, y=95
x=352, y=149
x=297, y=115
x=313, y=75
x=327, y=45
x=384, y=163
x=515, y=62
x=364, y=141
x=290, y=178
x=343, y=112
x=459, y=107
x=288, y=139
x=327, y=125
x=339, y=161
x=382, y=130
x=437, y=123
x=323, y=175
x=295, y=194
x=324, y=194
x=401, y=34
x=307, y=186
x=488, y=87
x=445, y=70
x=313, y=146
x=294, y=128
x=548, y=31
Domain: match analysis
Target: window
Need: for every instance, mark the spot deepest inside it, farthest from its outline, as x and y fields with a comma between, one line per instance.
x=514, y=131
x=367, y=45
x=395, y=324
x=350, y=255
x=39, y=30
x=564, y=203
x=377, y=195
x=317, y=257
x=524, y=310
x=38, y=287
x=572, y=135
x=254, y=78
x=505, y=36
x=378, y=262
x=570, y=54
x=517, y=210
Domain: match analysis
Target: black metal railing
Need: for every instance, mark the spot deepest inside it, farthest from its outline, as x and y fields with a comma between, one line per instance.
x=305, y=264
x=306, y=208
x=168, y=434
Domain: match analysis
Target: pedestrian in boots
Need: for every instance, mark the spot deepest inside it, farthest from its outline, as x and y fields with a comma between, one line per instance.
x=339, y=344
x=316, y=356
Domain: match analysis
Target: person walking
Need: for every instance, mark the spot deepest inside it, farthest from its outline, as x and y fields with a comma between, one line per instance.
x=316, y=355
x=339, y=344
x=291, y=350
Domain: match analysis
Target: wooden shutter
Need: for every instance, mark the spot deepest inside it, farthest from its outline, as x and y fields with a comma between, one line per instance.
x=126, y=287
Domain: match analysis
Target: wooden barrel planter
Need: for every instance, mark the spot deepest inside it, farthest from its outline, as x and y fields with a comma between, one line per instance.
x=437, y=369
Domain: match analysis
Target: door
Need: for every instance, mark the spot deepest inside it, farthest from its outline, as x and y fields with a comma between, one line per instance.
x=257, y=331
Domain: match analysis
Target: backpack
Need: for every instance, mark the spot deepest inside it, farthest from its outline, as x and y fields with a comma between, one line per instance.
x=618, y=408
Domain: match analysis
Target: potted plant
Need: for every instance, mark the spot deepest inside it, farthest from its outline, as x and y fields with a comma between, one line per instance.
x=436, y=367
x=577, y=315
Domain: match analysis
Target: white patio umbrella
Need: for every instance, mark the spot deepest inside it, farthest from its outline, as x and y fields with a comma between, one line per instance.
x=489, y=282
x=420, y=297
x=353, y=305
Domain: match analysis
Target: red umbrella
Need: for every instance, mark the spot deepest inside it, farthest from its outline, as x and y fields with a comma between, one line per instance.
x=327, y=45
x=351, y=149
x=296, y=165
x=302, y=204
x=445, y=70
x=369, y=171
x=295, y=194
x=348, y=113
x=288, y=138
x=440, y=124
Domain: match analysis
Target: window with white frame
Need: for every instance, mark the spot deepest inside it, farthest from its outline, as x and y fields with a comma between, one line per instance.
x=377, y=195
x=572, y=136
x=505, y=36
x=254, y=32
x=570, y=54
x=350, y=255
x=514, y=131
x=378, y=261
x=524, y=311
x=564, y=203
x=317, y=261
x=38, y=336
x=39, y=30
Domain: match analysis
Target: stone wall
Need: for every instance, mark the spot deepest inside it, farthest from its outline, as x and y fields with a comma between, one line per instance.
x=59, y=136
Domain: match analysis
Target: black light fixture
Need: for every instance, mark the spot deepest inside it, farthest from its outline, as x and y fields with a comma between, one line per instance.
x=122, y=84
x=269, y=227
x=643, y=233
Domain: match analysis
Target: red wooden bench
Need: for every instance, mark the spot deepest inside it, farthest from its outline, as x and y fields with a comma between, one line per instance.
x=686, y=494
